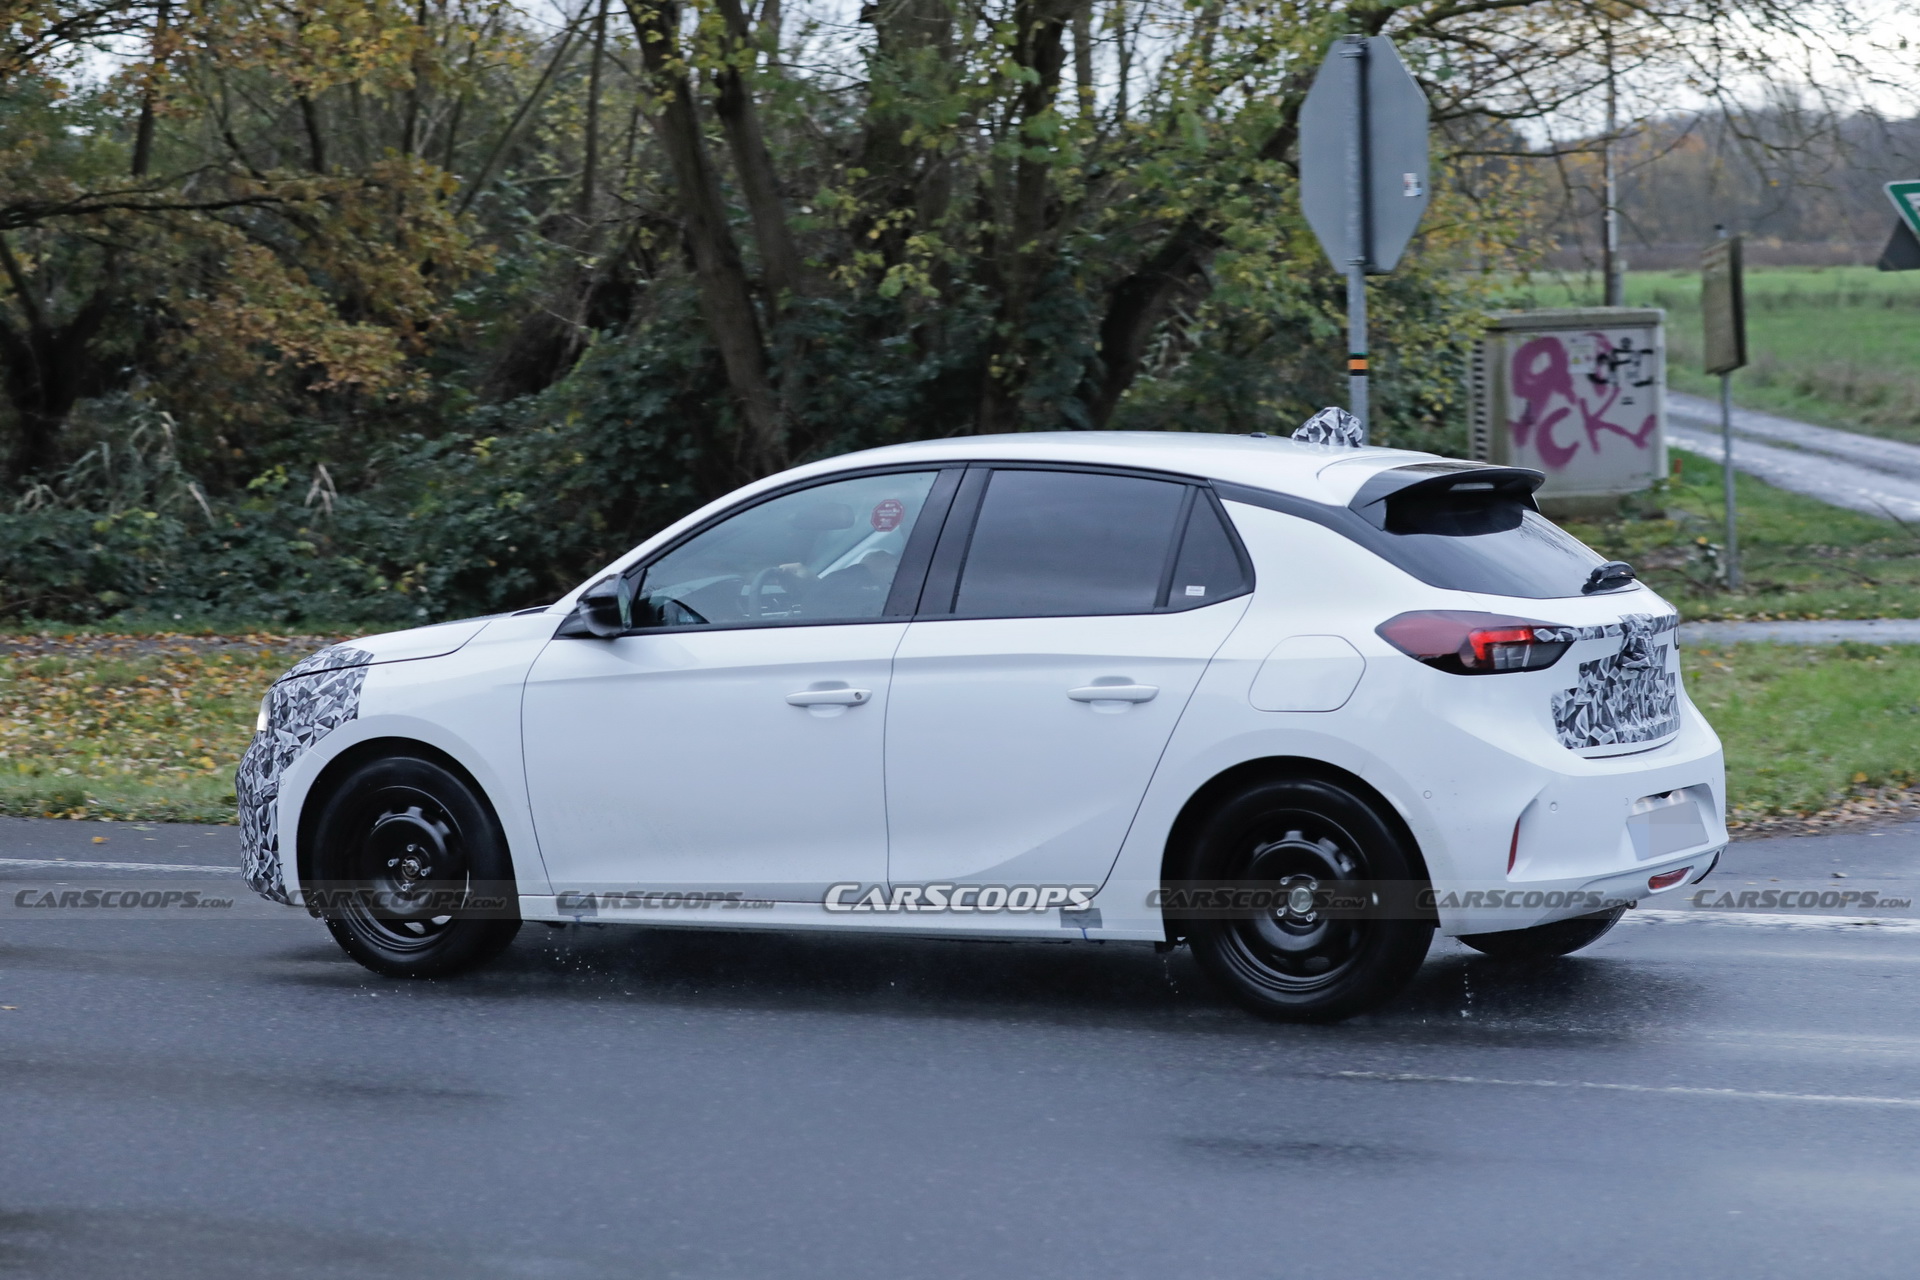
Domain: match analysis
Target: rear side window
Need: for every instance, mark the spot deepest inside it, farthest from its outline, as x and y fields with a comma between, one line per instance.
x=1070, y=544
x=1208, y=567
x=1493, y=544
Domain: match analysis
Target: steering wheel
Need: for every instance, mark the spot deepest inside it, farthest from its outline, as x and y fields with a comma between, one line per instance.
x=756, y=600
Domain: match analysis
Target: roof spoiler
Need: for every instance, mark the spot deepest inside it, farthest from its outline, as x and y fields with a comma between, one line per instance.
x=1427, y=481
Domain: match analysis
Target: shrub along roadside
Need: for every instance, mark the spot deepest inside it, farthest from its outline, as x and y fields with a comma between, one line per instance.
x=149, y=728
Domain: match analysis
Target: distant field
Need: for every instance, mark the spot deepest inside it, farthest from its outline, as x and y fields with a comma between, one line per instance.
x=1835, y=345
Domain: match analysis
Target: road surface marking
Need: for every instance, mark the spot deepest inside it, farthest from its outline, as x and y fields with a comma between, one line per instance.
x=55, y=864
x=1680, y=1090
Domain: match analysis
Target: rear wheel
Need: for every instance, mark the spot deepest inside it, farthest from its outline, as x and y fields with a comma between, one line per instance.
x=1295, y=848
x=1545, y=941
x=414, y=873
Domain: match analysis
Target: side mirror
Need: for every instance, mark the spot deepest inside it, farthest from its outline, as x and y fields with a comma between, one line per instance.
x=604, y=607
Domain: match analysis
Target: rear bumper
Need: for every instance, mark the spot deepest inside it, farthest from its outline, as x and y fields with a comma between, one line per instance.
x=1574, y=838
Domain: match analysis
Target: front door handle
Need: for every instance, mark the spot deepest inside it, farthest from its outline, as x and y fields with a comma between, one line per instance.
x=1115, y=693
x=830, y=698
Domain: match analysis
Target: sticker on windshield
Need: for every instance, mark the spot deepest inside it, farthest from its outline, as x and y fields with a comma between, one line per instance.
x=888, y=515
x=1630, y=696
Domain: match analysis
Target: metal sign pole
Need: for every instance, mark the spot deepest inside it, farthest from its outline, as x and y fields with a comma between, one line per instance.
x=1355, y=47
x=1723, y=323
x=1726, y=466
x=1363, y=177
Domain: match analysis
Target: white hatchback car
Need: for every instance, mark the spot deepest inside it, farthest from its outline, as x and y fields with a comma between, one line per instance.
x=1292, y=704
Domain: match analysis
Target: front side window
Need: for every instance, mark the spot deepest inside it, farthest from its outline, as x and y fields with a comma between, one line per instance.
x=825, y=554
x=1070, y=544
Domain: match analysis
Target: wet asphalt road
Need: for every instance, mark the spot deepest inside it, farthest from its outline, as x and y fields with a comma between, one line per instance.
x=218, y=1098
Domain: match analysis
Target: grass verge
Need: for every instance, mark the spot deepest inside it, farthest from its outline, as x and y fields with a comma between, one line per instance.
x=138, y=728
x=1801, y=558
x=150, y=729
x=1807, y=728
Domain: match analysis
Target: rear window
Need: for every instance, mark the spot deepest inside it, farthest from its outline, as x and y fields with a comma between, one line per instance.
x=1462, y=526
x=1499, y=548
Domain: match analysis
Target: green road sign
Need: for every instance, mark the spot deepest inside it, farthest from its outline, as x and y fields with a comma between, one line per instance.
x=1906, y=198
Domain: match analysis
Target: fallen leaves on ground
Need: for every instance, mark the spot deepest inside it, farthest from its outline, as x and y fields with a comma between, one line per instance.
x=135, y=728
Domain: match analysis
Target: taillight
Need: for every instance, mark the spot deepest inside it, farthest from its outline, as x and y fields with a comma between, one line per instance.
x=1475, y=644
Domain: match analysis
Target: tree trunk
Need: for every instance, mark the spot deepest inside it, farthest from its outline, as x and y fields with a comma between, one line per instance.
x=316, y=136
x=1083, y=56
x=45, y=367
x=1137, y=305
x=759, y=182
x=590, y=163
x=1140, y=301
x=143, y=133
x=1041, y=49
x=907, y=188
x=726, y=300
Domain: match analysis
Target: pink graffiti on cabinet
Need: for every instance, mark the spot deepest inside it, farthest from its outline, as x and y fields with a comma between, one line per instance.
x=1553, y=377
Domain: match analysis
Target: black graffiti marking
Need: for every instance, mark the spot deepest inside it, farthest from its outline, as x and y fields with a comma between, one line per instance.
x=320, y=694
x=1629, y=696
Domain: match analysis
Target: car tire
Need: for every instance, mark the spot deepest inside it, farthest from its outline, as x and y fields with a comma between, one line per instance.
x=1545, y=941
x=1307, y=965
x=414, y=874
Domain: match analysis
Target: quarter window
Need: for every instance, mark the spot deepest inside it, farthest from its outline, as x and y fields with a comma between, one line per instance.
x=1208, y=567
x=825, y=554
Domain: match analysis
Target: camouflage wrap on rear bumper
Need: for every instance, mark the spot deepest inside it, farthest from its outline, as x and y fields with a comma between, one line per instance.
x=317, y=696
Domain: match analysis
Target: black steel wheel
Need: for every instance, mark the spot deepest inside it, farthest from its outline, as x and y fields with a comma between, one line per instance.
x=1545, y=941
x=413, y=873
x=1322, y=926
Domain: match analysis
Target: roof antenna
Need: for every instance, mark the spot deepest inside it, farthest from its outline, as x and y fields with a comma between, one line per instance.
x=1332, y=425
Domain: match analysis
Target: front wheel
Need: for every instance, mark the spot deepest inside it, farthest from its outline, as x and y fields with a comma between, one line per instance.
x=1320, y=928
x=1545, y=941
x=414, y=877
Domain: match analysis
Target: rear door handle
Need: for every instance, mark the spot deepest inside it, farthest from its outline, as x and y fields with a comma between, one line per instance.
x=830, y=698
x=1115, y=693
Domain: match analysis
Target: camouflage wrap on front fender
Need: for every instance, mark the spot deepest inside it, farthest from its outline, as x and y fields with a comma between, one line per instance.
x=317, y=696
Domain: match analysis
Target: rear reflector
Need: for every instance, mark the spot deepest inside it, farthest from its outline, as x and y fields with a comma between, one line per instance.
x=1513, y=847
x=1474, y=644
x=1667, y=879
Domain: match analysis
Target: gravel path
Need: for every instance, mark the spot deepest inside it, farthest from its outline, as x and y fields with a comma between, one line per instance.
x=1865, y=631
x=1861, y=473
